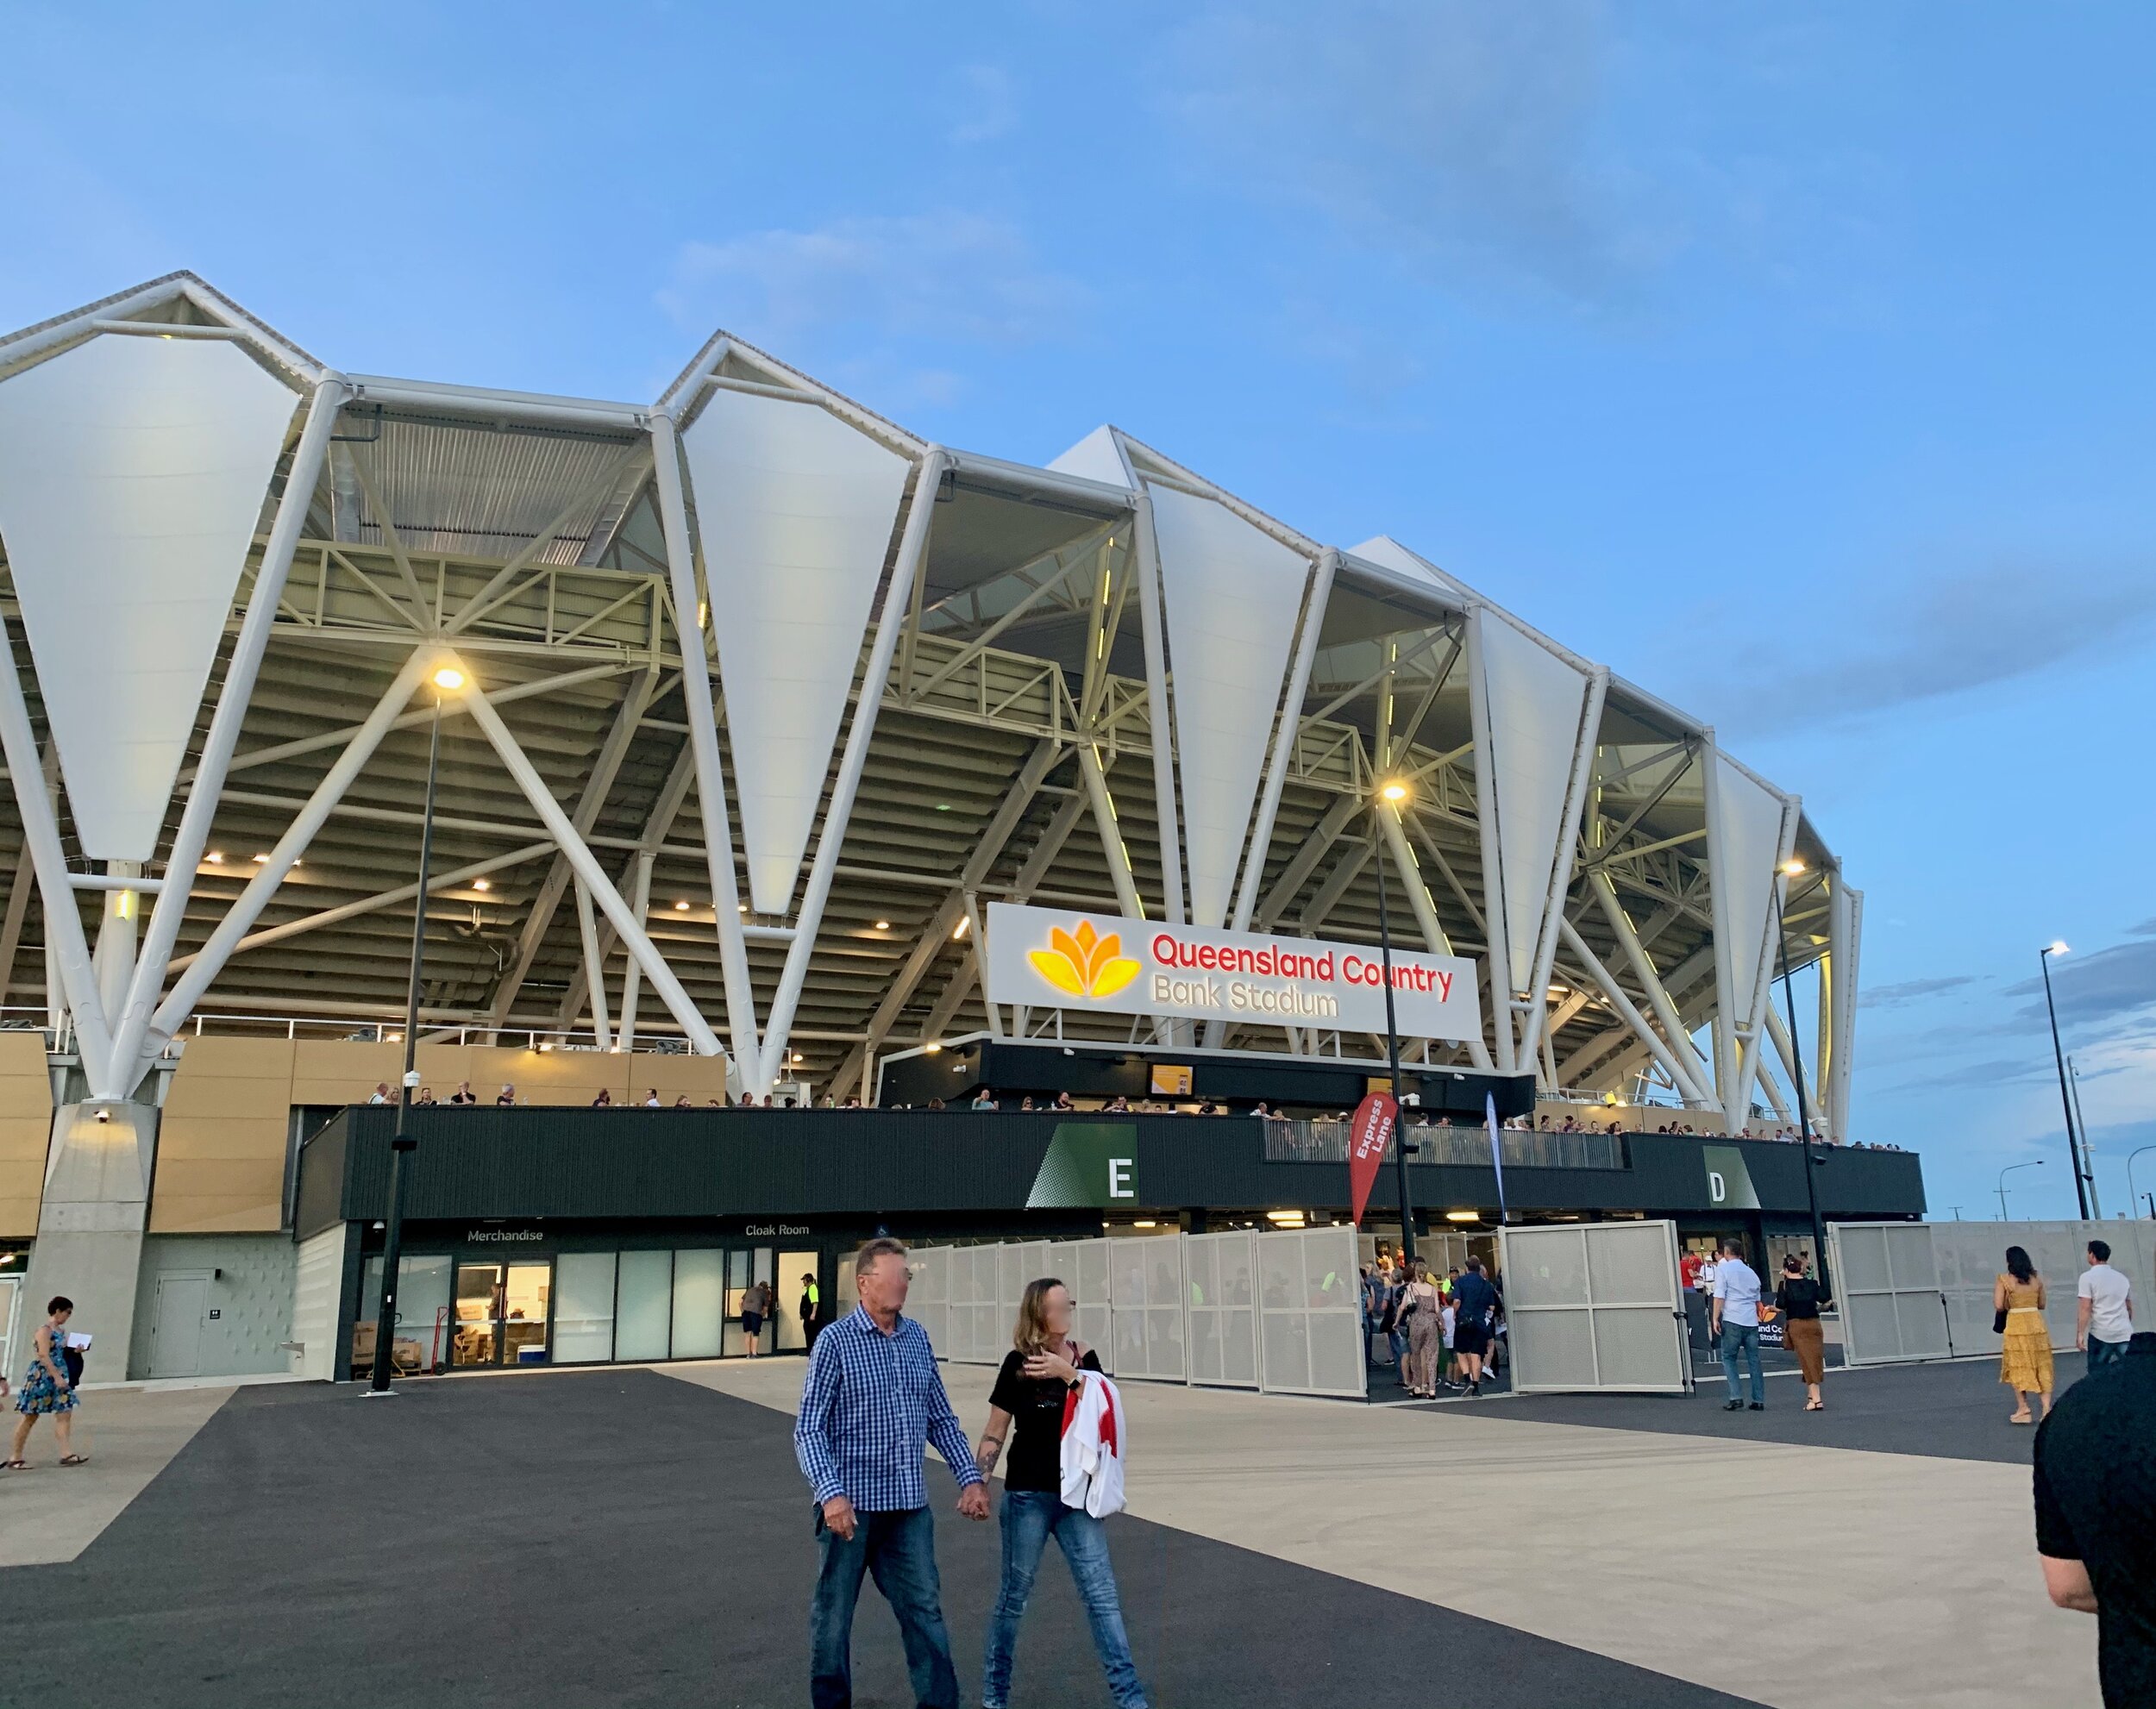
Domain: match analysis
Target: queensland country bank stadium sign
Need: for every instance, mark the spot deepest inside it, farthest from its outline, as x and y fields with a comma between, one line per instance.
x=1053, y=958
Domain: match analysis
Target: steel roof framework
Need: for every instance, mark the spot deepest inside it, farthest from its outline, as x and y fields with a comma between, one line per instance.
x=1022, y=661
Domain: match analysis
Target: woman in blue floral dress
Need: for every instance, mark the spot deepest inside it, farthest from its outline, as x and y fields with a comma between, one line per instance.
x=47, y=1389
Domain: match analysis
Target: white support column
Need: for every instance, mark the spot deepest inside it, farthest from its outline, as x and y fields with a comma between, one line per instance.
x=912, y=553
x=1783, y=1049
x=1112, y=848
x=711, y=777
x=631, y=932
x=1284, y=741
x=1845, y=939
x=113, y=959
x=209, y=960
x=40, y=830
x=1152, y=626
x=1693, y=1083
x=594, y=969
x=1657, y=1047
x=1588, y=745
x=632, y=977
x=1434, y=938
x=976, y=946
x=1722, y=1031
x=1753, y=1040
x=193, y=835
x=1500, y=952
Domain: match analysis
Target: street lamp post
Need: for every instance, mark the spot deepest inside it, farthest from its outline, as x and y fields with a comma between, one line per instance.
x=1394, y=794
x=2133, y=1195
x=2003, y=1174
x=1796, y=1064
x=2066, y=1097
x=447, y=680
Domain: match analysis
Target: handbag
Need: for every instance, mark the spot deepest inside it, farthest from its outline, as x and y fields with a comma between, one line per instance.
x=1998, y=1321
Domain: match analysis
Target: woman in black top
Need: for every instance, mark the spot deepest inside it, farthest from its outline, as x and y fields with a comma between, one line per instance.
x=1798, y=1298
x=1038, y=1375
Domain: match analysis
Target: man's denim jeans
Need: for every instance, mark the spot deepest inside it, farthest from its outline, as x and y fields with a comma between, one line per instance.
x=899, y=1550
x=1744, y=1337
x=2102, y=1353
x=1029, y=1517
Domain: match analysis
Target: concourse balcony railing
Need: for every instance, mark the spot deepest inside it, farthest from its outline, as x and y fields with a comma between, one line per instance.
x=1288, y=1142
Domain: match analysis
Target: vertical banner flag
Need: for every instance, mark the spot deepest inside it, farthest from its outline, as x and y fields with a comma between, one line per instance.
x=1367, y=1134
x=1496, y=1151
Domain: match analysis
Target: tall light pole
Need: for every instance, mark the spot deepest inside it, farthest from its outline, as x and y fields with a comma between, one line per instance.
x=2086, y=1154
x=447, y=680
x=2003, y=1174
x=1790, y=869
x=2133, y=1196
x=2066, y=1097
x=1393, y=794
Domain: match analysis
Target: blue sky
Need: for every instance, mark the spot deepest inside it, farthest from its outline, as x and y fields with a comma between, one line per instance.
x=1794, y=362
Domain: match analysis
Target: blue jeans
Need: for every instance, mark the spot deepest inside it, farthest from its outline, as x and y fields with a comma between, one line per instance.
x=1029, y=1517
x=2102, y=1353
x=1743, y=1337
x=899, y=1549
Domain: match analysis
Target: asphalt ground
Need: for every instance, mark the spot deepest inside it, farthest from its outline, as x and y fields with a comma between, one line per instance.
x=620, y=1538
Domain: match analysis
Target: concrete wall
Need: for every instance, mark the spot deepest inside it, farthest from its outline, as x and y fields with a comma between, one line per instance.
x=26, y=1131
x=252, y=1302
x=226, y=1121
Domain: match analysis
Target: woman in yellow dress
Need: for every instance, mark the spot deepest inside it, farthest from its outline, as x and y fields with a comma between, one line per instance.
x=2025, y=1355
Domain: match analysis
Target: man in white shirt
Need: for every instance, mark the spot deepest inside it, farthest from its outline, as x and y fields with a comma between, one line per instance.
x=1735, y=1322
x=2104, y=1318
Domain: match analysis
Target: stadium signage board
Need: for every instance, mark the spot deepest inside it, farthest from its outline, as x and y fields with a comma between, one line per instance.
x=1061, y=959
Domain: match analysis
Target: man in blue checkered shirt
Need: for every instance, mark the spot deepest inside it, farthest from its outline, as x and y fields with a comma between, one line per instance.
x=874, y=1400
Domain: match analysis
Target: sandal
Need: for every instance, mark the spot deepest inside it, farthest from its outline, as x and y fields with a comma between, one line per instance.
x=1815, y=1406
x=74, y=1459
x=15, y=1465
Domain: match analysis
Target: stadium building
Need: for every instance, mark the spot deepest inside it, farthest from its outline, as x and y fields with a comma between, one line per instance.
x=770, y=750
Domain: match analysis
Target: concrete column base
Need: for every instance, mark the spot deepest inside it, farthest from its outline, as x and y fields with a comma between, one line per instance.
x=90, y=1225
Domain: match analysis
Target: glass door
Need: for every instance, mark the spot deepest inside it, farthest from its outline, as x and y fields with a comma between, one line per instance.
x=525, y=1294
x=799, y=1276
x=477, y=1338
x=744, y=1267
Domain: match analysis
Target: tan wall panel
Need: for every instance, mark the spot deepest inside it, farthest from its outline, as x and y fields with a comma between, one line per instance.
x=224, y=1212
x=700, y=1078
x=196, y=1139
x=337, y=1071
x=26, y=1129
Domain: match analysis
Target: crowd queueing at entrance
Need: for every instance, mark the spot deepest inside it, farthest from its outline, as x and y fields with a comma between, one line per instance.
x=1439, y=1333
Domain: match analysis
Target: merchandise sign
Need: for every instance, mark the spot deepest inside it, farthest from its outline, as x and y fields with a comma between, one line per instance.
x=1367, y=1138
x=1057, y=958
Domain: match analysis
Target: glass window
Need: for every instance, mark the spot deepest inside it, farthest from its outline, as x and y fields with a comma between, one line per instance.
x=644, y=1310
x=699, y=1304
x=583, y=1307
x=797, y=1274
x=422, y=1307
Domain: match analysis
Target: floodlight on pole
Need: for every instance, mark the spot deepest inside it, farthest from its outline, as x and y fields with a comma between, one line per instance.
x=1393, y=793
x=2057, y=947
x=447, y=678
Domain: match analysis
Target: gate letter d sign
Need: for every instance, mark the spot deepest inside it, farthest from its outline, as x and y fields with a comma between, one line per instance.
x=1717, y=1189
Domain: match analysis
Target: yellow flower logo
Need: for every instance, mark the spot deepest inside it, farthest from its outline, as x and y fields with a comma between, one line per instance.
x=1084, y=963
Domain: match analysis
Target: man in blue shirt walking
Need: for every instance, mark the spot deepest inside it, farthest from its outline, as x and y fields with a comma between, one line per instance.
x=872, y=1400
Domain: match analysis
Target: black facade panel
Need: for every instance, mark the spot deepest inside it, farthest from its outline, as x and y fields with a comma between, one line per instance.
x=617, y=1165
x=318, y=1202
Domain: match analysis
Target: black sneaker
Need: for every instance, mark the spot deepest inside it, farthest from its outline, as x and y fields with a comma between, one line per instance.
x=1732, y=1405
x=1474, y=1389
x=1757, y=1406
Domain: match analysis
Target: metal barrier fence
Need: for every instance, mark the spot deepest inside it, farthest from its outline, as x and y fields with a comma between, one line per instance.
x=1918, y=1291
x=1322, y=1141
x=1596, y=1305
x=1278, y=1312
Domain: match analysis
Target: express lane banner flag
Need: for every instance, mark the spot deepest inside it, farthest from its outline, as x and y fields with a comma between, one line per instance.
x=1064, y=958
x=1367, y=1135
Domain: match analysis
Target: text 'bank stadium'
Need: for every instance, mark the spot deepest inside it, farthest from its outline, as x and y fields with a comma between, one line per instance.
x=768, y=752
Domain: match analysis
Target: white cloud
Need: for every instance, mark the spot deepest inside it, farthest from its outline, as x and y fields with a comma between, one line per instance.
x=1953, y=633
x=1454, y=133
x=943, y=276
